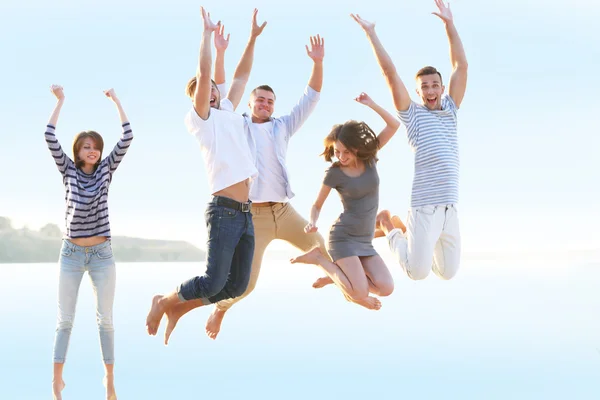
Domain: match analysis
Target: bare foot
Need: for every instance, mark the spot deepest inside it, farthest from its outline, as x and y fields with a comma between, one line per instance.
x=57, y=388
x=109, y=384
x=372, y=303
x=312, y=257
x=383, y=222
x=397, y=222
x=378, y=233
x=154, y=316
x=321, y=282
x=213, y=325
x=172, y=314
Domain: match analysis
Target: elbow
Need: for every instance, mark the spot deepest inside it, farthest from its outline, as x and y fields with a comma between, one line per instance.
x=461, y=66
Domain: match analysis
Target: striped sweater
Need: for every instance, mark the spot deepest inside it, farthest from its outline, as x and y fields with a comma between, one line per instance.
x=87, y=194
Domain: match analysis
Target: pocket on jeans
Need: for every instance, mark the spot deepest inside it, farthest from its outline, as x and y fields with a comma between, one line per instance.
x=229, y=213
x=66, y=251
x=429, y=210
x=105, y=253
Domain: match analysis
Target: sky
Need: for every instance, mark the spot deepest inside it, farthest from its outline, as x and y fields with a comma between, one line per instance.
x=528, y=126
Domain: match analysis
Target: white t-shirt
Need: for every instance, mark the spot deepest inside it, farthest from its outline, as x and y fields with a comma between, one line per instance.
x=224, y=147
x=271, y=183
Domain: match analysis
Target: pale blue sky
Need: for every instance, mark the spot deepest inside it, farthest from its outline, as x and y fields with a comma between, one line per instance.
x=528, y=126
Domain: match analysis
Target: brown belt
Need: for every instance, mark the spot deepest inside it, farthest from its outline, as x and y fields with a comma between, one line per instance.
x=265, y=204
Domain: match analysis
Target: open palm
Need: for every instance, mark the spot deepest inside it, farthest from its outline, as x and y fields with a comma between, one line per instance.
x=317, y=48
x=366, y=25
x=445, y=14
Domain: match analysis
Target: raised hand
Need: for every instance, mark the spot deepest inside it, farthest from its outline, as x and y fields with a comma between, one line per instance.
x=110, y=93
x=317, y=48
x=445, y=14
x=57, y=91
x=365, y=99
x=209, y=26
x=221, y=42
x=256, y=30
x=366, y=25
x=310, y=228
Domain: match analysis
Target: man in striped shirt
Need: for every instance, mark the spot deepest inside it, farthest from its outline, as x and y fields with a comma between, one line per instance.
x=431, y=238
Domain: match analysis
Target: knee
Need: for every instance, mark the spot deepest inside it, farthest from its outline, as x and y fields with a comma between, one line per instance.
x=385, y=288
x=240, y=289
x=448, y=273
x=213, y=286
x=65, y=325
x=418, y=272
x=358, y=294
x=105, y=323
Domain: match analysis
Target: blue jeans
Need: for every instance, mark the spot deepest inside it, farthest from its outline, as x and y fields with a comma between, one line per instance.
x=230, y=249
x=98, y=261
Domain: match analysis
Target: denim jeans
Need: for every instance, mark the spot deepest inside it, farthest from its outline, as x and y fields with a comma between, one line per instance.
x=74, y=261
x=230, y=249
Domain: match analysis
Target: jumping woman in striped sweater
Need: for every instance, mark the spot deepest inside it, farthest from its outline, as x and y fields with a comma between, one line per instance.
x=86, y=243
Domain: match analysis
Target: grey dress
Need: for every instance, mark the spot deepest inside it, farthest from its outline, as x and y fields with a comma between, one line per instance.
x=352, y=233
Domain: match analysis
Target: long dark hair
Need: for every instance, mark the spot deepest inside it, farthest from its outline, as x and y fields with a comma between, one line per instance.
x=357, y=137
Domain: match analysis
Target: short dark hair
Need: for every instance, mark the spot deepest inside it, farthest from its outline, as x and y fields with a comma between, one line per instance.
x=263, y=87
x=429, y=70
x=357, y=137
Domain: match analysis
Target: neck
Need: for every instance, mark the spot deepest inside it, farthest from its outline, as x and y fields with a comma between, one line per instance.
x=87, y=169
x=258, y=120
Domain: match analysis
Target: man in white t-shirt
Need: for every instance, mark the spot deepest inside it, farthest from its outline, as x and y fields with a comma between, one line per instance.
x=431, y=238
x=230, y=167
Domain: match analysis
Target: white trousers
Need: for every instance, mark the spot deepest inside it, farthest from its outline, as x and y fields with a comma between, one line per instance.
x=431, y=241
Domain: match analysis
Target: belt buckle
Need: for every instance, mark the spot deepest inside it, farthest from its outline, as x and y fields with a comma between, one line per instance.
x=245, y=207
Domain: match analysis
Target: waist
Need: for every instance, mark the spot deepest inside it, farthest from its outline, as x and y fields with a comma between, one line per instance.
x=87, y=244
x=239, y=191
x=267, y=204
x=222, y=201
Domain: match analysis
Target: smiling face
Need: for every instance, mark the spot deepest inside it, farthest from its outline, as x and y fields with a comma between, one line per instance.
x=262, y=103
x=430, y=89
x=87, y=149
x=346, y=157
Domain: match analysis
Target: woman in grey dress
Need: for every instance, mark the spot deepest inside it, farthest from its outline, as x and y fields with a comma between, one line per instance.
x=356, y=269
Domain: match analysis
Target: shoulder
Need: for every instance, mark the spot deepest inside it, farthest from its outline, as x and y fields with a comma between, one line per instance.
x=448, y=103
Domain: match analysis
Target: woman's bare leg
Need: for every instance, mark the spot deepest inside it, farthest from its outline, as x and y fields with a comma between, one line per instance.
x=347, y=273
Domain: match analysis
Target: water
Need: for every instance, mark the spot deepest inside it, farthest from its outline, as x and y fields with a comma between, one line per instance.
x=501, y=329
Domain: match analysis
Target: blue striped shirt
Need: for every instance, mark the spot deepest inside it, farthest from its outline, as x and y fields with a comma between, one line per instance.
x=87, y=194
x=433, y=138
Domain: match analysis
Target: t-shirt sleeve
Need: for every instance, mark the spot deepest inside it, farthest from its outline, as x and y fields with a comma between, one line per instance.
x=449, y=104
x=226, y=105
x=196, y=125
x=410, y=121
x=331, y=178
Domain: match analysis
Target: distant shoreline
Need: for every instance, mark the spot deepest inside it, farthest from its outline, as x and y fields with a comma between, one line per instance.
x=25, y=246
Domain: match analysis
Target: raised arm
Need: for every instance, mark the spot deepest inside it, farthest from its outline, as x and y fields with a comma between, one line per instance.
x=119, y=151
x=391, y=123
x=221, y=43
x=458, y=80
x=307, y=103
x=60, y=158
x=316, y=209
x=242, y=71
x=203, y=83
x=316, y=53
x=399, y=92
